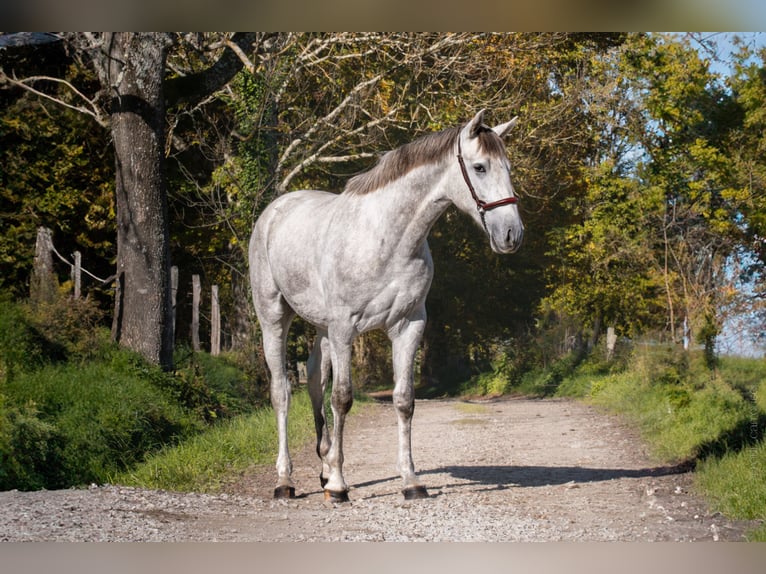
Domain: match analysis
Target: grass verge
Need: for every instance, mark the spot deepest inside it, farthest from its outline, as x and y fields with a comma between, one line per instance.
x=76, y=409
x=734, y=485
x=208, y=461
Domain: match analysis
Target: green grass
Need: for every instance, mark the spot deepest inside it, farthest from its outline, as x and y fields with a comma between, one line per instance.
x=679, y=422
x=208, y=461
x=735, y=484
x=76, y=409
x=73, y=424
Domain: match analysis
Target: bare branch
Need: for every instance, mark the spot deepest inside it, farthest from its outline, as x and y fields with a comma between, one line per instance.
x=194, y=87
x=344, y=158
x=327, y=119
x=92, y=109
x=315, y=156
x=237, y=49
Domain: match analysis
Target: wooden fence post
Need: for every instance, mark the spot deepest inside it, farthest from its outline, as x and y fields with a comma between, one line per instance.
x=43, y=285
x=215, y=323
x=173, y=297
x=611, y=343
x=196, y=293
x=77, y=274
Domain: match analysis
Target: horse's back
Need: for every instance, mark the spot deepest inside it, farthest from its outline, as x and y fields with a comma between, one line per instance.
x=297, y=212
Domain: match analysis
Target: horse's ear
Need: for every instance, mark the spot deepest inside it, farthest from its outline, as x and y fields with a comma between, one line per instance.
x=503, y=129
x=474, y=127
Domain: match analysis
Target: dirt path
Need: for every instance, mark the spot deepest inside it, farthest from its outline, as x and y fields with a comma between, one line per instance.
x=505, y=470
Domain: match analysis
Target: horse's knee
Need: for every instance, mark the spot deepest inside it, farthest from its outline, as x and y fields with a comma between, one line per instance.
x=280, y=394
x=342, y=398
x=404, y=402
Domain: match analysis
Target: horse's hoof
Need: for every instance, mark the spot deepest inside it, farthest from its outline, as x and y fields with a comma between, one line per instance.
x=415, y=492
x=284, y=492
x=322, y=480
x=333, y=496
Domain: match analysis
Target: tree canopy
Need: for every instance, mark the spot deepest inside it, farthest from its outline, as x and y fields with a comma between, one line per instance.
x=640, y=169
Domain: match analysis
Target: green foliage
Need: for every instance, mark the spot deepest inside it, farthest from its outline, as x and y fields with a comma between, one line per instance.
x=666, y=206
x=88, y=410
x=209, y=460
x=372, y=362
x=55, y=170
x=734, y=484
x=585, y=378
x=68, y=325
x=544, y=382
x=20, y=344
x=103, y=415
x=211, y=387
x=30, y=449
x=490, y=384
x=606, y=259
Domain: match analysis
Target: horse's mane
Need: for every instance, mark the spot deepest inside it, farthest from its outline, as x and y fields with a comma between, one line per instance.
x=427, y=149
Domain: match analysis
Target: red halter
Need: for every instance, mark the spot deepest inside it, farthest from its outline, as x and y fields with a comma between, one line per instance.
x=481, y=205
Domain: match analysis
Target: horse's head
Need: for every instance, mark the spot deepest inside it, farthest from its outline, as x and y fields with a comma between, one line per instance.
x=487, y=194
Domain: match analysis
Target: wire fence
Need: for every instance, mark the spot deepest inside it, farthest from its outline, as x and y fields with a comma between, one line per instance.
x=42, y=287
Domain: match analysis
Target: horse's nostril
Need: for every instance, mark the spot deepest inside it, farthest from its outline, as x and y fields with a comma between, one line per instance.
x=514, y=237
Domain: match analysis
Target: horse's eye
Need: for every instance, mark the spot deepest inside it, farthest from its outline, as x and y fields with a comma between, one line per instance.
x=479, y=168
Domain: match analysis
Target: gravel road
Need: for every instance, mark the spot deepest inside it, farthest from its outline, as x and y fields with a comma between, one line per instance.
x=501, y=470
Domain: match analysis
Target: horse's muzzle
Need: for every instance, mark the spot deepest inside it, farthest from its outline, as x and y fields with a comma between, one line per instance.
x=510, y=242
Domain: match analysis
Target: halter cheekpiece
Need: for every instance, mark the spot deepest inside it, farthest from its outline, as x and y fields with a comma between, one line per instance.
x=481, y=205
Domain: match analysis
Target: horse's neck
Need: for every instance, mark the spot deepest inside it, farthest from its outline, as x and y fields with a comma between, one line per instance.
x=409, y=206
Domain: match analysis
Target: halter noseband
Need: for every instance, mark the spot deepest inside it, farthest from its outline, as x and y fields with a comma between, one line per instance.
x=481, y=205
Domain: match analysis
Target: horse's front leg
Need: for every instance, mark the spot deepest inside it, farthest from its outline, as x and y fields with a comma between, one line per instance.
x=336, y=488
x=405, y=339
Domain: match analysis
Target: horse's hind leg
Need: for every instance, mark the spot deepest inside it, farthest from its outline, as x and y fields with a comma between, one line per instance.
x=405, y=338
x=318, y=373
x=274, y=347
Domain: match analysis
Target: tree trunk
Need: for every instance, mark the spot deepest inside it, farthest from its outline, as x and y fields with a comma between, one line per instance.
x=143, y=311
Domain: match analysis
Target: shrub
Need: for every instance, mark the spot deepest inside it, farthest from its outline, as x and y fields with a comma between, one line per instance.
x=492, y=384
x=29, y=450
x=21, y=347
x=213, y=387
x=104, y=418
x=71, y=325
x=545, y=382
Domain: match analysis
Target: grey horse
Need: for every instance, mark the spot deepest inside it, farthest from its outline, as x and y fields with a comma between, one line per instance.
x=359, y=260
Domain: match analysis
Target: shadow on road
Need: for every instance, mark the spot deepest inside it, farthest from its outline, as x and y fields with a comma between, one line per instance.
x=502, y=477
x=508, y=476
